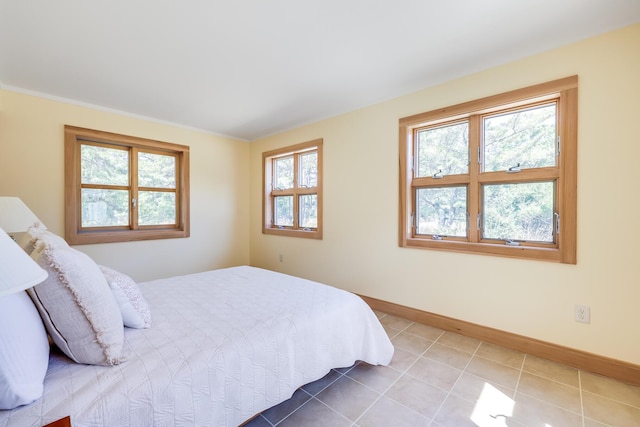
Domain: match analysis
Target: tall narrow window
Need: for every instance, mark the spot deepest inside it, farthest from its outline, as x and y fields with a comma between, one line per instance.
x=494, y=176
x=121, y=188
x=293, y=190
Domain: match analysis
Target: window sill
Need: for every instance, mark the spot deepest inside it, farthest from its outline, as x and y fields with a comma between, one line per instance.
x=520, y=252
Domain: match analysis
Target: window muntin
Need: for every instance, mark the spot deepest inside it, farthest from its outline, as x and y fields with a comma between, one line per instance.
x=122, y=188
x=293, y=190
x=520, y=179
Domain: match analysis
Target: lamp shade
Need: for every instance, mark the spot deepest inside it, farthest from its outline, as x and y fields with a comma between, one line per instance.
x=17, y=270
x=15, y=216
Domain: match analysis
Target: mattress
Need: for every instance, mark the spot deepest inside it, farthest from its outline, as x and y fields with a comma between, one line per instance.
x=224, y=346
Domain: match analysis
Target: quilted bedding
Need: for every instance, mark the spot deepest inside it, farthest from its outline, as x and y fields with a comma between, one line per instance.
x=224, y=345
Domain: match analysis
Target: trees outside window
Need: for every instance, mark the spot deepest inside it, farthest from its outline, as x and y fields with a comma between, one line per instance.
x=494, y=176
x=292, y=201
x=121, y=188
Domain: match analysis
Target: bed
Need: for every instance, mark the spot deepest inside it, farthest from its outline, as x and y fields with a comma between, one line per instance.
x=222, y=346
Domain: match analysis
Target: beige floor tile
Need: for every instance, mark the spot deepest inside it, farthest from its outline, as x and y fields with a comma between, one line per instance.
x=395, y=322
x=448, y=355
x=319, y=385
x=279, y=412
x=391, y=332
x=434, y=373
x=315, y=414
x=588, y=422
x=473, y=389
x=348, y=397
x=258, y=421
x=417, y=395
x=466, y=344
x=424, y=331
x=457, y=412
x=402, y=359
x=379, y=378
x=494, y=372
x=536, y=413
x=412, y=343
x=610, y=411
x=610, y=388
x=551, y=370
x=557, y=394
x=500, y=354
x=387, y=412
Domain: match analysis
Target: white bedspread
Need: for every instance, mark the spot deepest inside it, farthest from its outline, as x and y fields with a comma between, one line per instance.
x=224, y=346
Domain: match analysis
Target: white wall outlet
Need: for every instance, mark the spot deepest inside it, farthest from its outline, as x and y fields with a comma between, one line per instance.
x=281, y=258
x=582, y=313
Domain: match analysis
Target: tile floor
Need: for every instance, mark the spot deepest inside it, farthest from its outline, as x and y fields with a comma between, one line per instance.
x=439, y=378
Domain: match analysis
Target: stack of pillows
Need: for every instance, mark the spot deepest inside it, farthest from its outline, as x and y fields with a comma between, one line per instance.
x=83, y=307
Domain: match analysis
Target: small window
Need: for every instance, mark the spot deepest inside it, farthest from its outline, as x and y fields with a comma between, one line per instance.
x=494, y=176
x=293, y=190
x=122, y=188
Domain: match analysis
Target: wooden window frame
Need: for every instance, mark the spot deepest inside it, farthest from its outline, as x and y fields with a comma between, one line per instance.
x=565, y=91
x=269, y=193
x=74, y=138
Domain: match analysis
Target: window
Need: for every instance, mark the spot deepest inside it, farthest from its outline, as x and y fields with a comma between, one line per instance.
x=293, y=190
x=494, y=176
x=121, y=188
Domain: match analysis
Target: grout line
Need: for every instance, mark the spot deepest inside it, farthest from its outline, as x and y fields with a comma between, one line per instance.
x=402, y=373
x=515, y=389
x=462, y=371
x=581, y=398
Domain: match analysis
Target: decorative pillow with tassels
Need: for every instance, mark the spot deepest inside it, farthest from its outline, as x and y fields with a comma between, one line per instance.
x=76, y=304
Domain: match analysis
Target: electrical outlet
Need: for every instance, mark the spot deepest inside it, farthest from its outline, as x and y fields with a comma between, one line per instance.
x=582, y=313
x=281, y=258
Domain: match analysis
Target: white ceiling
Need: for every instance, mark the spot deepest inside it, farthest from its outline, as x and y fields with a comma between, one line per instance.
x=252, y=68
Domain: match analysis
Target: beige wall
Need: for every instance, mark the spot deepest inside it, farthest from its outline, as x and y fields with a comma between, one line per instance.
x=360, y=253
x=32, y=168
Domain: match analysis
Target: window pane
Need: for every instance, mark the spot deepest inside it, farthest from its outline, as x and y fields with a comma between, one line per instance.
x=107, y=166
x=283, y=172
x=519, y=211
x=444, y=148
x=526, y=136
x=156, y=170
x=156, y=208
x=308, y=170
x=442, y=211
x=283, y=215
x=105, y=208
x=309, y=211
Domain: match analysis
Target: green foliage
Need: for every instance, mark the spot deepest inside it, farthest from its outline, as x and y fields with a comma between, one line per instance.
x=109, y=167
x=444, y=150
x=518, y=211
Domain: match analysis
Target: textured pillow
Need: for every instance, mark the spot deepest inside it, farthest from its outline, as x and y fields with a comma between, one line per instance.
x=24, y=351
x=76, y=305
x=133, y=307
x=28, y=239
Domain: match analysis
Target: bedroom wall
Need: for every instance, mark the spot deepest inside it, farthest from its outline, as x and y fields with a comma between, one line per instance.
x=32, y=168
x=360, y=252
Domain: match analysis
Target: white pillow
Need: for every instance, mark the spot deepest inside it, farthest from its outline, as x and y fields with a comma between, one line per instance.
x=24, y=351
x=133, y=306
x=76, y=304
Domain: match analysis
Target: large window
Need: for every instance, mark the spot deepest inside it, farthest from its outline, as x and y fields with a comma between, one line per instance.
x=494, y=176
x=293, y=190
x=121, y=188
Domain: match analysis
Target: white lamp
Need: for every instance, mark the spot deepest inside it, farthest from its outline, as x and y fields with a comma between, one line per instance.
x=15, y=216
x=17, y=270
